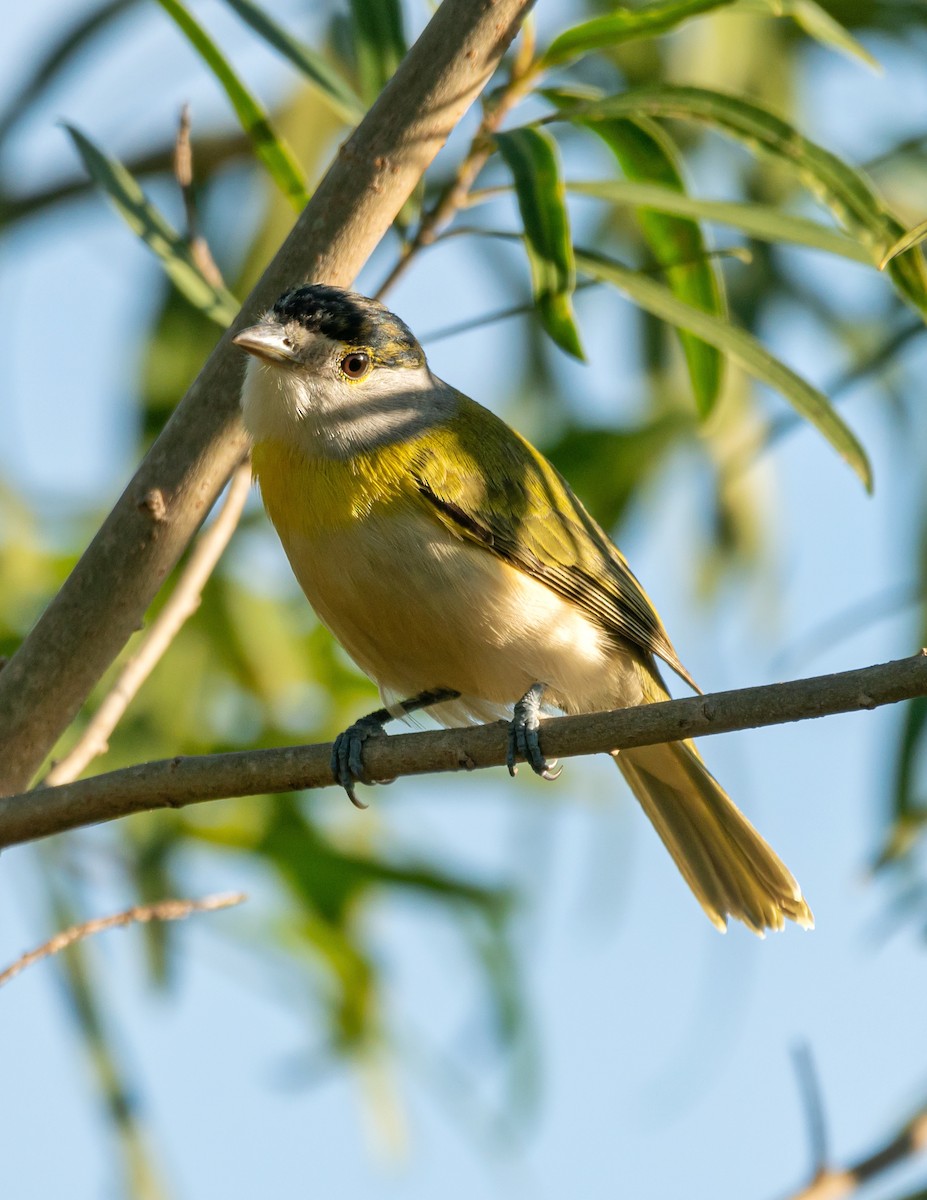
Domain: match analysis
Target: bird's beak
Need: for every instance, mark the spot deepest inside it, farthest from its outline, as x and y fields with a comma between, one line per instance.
x=267, y=341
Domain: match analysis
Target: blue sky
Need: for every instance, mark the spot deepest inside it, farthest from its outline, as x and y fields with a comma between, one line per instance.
x=664, y=1048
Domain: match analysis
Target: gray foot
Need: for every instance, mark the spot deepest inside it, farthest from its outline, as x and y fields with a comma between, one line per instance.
x=348, y=748
x=524, y=741
x=348, y=753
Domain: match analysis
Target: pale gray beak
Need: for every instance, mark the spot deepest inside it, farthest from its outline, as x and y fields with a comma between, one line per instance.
x=267, y=341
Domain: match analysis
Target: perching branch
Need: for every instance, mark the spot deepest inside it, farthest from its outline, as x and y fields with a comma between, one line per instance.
x=176, y=782
x=104, y=600
x=161, y=910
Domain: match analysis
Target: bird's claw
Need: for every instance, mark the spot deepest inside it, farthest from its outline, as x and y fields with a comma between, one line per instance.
x=348, y=756
x=524, y=740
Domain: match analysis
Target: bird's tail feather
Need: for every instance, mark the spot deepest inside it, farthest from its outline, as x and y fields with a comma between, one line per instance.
x=729, y=867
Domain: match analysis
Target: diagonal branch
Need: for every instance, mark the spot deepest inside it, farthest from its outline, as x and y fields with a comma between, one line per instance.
x=183, y=603
x=104, y=599
x=176, y=782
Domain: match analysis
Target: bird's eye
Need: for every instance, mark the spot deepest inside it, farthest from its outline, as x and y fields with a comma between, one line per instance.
x=355, y=365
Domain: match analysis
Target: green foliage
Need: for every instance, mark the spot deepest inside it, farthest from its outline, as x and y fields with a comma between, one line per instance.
x=531, y=156
x=269, y=147
x=146, y=221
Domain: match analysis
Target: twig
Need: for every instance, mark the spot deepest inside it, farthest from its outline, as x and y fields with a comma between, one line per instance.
x=810, y=1090
x=456, y=192
x=183, y=173
x=183, y=603
x=176, y=782
x=161, y=910
x=835, y=1183
x=107, y=594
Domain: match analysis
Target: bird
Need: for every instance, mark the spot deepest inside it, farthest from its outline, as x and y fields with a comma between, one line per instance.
x=460, y=572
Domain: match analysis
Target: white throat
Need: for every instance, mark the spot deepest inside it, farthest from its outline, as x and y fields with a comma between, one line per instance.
x=332, y=418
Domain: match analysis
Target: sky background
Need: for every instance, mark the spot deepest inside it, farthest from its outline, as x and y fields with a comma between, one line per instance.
x=664, y=1049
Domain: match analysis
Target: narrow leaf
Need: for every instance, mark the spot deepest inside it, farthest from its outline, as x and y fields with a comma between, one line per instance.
x=379, y=43
x=271, y=149
x=911, y=239
x=818, y=23
x=531, y=156
x=760, y=221
x=838, y=185
x=332, y=86
x=645, y=153
x=155, y=231
x=741, y=347
x=624, y=25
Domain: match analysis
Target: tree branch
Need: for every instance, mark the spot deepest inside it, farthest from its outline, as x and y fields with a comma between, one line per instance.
x=161, y=910
x=183, y=603
x=104, y=599
x=176, y=782
x=835, y=1183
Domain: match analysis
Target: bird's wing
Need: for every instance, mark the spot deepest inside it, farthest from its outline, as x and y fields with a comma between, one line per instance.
x=487, y=484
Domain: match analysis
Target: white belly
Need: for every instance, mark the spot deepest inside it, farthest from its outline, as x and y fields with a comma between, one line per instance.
x=417, y=608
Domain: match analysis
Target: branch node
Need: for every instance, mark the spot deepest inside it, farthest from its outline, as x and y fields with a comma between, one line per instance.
x=153, y=504
x=866, y=701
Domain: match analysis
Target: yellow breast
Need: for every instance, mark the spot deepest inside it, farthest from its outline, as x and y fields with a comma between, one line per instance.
x=317, y=497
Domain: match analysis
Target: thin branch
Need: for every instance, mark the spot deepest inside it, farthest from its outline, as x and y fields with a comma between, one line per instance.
x=161, y=910
x=176, y=782
x=835, y=1183
x=106, y=596
x=454, y=196
x=809, y=1086
x=183, y=173
x=183, y=603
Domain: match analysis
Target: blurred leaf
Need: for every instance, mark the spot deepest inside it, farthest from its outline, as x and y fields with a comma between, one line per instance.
x=838, y=185
x=379, y=43
x=152, y=847
x=332, y=86
x=623, y=25
x=142, y=1180
x=272, y=150
x=820, y=25
x=911, y=239
x=145, y=220
x=212, y=153
x=742, y=348
x=330, y=885
x=59, y=57
x=607, y=467
x=531, y=156
x=644, y=152
x=760, y=221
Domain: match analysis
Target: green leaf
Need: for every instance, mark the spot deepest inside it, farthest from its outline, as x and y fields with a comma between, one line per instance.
x=271, y=149
x=645, y=152
x=332, y=86
x=818, y=23
x=379, y=43
x=155, y=231
x=531, y=156
x=760, y=221
x=624, y=25
x=741, y=347
x=607, y=467
x=912, y=238
x=838, y=185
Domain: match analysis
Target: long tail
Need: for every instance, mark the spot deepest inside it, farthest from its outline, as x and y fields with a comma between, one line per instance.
x=725, y=862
